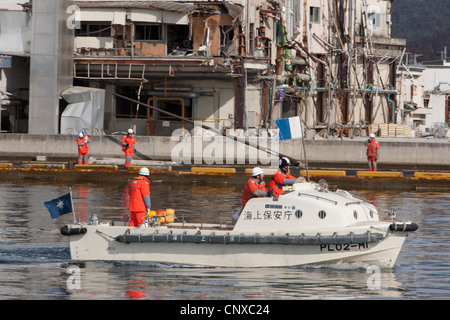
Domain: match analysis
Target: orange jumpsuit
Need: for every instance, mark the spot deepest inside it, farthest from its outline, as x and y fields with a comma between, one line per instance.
x=139, y=191
x=279, y=180
x=250, y=190
x=128, y=145
x=83, y=148
x=372, y=153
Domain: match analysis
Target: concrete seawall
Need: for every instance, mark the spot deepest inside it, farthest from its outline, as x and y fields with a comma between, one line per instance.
x=413, y=154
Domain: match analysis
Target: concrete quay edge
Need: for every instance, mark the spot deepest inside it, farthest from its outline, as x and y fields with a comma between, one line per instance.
x=395, y=154
x=241, y=170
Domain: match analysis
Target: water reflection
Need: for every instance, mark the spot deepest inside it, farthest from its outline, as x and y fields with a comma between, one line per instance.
x=160, y=282
x=34, y=257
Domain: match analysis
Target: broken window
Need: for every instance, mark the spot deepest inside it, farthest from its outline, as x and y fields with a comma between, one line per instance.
x=373, y=20
x=147, y=32
x=227, y=45
x=178, y=42
x=93, y=30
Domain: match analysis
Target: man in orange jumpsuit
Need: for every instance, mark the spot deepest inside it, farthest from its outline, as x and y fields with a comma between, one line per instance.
x=281, y=178
x=373, y=150
x=140, y=203
x=255, y=187
x=83, y=148
x=128, y=146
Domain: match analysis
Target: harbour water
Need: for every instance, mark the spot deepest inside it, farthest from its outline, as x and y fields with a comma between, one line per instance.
x=35, y=264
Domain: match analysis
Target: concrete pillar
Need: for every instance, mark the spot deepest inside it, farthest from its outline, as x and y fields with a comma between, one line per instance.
x=51, y=63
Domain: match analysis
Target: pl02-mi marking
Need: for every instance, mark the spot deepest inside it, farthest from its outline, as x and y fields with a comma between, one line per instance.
x=343, y=247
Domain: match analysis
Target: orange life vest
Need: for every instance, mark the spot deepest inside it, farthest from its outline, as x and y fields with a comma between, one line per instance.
x=276, y=184
x=251, y=186
x=83, y=144
x=130, y=141
x=372, y=148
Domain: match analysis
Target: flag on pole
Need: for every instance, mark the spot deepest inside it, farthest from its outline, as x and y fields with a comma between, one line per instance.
x=290, y=128
x=58, y=207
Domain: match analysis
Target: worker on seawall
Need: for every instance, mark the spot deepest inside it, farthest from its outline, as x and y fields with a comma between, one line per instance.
x=128, y=146
x=373, y=152
x=281, y=178
x=83, y=141
x=254, y=188
x=140, y=202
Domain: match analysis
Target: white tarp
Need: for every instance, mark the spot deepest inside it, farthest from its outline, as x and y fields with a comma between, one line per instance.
x=15, y=32
x=85, y=111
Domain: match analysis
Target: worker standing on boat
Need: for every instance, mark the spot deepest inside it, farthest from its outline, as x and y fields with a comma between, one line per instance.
x=128, y=146
x=373, y=151
x=281, y=178
x=83, y=148
x=140, y=203
x=255, y=187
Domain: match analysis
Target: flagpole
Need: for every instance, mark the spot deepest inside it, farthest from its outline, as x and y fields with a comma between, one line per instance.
x=303, y=142
x=73, y=208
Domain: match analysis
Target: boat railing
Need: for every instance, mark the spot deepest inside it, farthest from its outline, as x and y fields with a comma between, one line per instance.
x=317, y=197
x=208, y=218
x=355, y=202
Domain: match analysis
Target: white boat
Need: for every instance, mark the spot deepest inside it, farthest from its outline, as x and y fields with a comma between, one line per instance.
x=306, y=225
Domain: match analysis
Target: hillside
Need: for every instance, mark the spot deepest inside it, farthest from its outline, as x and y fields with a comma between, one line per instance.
x=424, y=24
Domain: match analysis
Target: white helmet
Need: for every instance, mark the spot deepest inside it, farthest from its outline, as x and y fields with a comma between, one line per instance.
x=257, y=171
x=130, y=131
x=372, y=135
x=144, y=172
x=81, y=135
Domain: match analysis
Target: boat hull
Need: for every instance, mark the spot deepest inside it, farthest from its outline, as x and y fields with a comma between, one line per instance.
x=107, y=243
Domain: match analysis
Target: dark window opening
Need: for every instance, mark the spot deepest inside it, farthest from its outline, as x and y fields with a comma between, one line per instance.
x=172, y=106
x=178, y=42
x=289, y=108
x=314, y=14
x=127, y=109
x=147, y=32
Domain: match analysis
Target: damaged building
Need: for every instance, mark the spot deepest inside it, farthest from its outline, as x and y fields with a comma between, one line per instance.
x=237, y=64
x=186, y=58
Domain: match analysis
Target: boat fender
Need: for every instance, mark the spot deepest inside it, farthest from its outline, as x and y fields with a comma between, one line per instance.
x=69, y=231
x=403, y=227
x=255, y=238
x=182, y=235
x=225, y=237
x=168, y=234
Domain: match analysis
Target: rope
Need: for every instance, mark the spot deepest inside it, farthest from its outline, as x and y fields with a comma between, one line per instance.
x=104, y=234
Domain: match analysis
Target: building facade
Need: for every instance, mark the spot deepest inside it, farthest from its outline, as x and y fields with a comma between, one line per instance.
x=426, y=90
x=237, y=64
